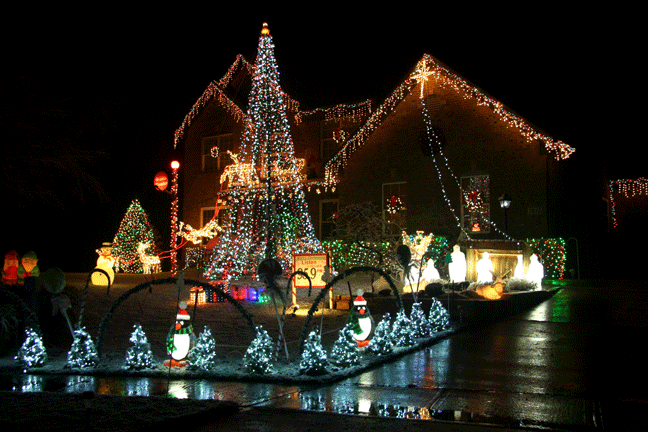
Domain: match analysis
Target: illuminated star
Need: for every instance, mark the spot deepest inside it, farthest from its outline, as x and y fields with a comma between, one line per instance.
x=422, y=74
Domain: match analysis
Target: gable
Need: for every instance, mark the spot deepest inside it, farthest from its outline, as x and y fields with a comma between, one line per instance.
x=430, y=72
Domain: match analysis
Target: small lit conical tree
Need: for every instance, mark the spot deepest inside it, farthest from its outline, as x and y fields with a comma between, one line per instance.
x=203, y=356
x=258, y=357
x=402, y=331
x=135, y=228
x=421, y=327
x=139, y=355
x=32, y=352
x=438, y=317
x=83, y=353
x=345, y=352
x=313, y=359
x=381, y=342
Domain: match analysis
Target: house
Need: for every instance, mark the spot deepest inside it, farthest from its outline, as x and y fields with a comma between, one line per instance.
x=435, y=156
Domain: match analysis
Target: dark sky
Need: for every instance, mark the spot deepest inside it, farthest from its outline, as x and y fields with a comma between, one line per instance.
x=127, y=78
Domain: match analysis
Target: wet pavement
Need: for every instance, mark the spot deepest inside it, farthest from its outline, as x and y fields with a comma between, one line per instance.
x=574, y=362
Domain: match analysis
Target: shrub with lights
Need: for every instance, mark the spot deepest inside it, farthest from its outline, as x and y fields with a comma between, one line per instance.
x=313, y=360
x=203, y=356
x=439, y=318
x=259, y=355
x=83, y=353
x=139, y=355
x=32, y=353
x=381, y=343
x=345, y=352
x=551, y=254
x=402, y=331
x=421, y=327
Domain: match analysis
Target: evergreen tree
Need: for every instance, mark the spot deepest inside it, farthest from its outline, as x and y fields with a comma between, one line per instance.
x=268, y=211
x=439, y=317
x=402, y=331
x=139, y=355
x=83, y=353
x=421, y=327
x=203, y=356
x=345, y=352
x=135, y=228
x=32, y=352
x=381, y=343
x=258, y=357
x=313, y=360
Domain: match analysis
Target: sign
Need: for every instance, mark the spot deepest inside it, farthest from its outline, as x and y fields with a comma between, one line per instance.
x=161, y=181
x=313, y=266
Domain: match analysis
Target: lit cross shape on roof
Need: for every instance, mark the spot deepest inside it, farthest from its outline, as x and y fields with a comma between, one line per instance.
x=421, y=75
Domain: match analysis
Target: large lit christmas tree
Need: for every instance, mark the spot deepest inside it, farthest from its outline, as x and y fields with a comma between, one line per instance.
x=263, y=188
x=135, y=228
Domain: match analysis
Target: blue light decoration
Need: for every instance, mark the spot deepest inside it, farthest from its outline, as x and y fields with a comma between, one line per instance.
x=32, y=353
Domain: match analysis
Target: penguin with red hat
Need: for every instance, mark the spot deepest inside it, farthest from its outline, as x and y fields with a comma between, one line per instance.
x=361, y=320
x=181, y=337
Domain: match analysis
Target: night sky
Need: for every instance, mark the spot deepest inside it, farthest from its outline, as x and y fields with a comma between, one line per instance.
x=116, y=85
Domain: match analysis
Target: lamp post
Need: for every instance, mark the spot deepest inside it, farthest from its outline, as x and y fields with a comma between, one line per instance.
x=174, y=216
x=505, y=203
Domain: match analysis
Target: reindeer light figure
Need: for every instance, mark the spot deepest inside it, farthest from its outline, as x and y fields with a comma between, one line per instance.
x=150, y=263
x=239, y=174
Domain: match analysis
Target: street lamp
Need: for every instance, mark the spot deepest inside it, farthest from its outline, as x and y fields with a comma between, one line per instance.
x=505, y=203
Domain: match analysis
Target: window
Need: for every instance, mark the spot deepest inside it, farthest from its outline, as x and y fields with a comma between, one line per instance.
x=331, y=138
x=214, y=151
x=475, y=203
x=327, y=211
x=394, y=207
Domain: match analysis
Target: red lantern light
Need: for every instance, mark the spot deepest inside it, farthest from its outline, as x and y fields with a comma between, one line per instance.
x=161, y=181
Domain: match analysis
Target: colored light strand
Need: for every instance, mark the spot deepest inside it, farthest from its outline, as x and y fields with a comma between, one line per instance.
x=629, y=189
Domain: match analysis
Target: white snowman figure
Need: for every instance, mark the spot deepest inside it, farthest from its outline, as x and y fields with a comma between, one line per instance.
x=181, y=337
x=361, y=320
x=106, y=263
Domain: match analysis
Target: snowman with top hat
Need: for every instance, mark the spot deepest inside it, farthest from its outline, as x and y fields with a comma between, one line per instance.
x=181, y=338
x=361, y=320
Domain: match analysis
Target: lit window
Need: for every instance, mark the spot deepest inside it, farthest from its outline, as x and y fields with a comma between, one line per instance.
x=475, y=203
x=214, y=151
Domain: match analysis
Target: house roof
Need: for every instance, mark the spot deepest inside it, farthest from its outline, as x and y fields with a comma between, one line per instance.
x=429, y=66
x=426, y=67
x=218, y=91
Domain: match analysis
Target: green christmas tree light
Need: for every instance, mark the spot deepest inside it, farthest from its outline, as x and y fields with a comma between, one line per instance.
x=313, y=360
x=135, y=228
x=381, y=343
x=421, y=327
x=345, y=352
x=32, y=353
x=402, y=331
x=83, y=353
x=259, y=355
x=439, y=318
x=203, y=356
x=139, y=355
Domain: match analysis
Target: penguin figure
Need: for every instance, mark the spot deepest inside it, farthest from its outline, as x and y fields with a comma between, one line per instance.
x=361, y=320
x=181, y=337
